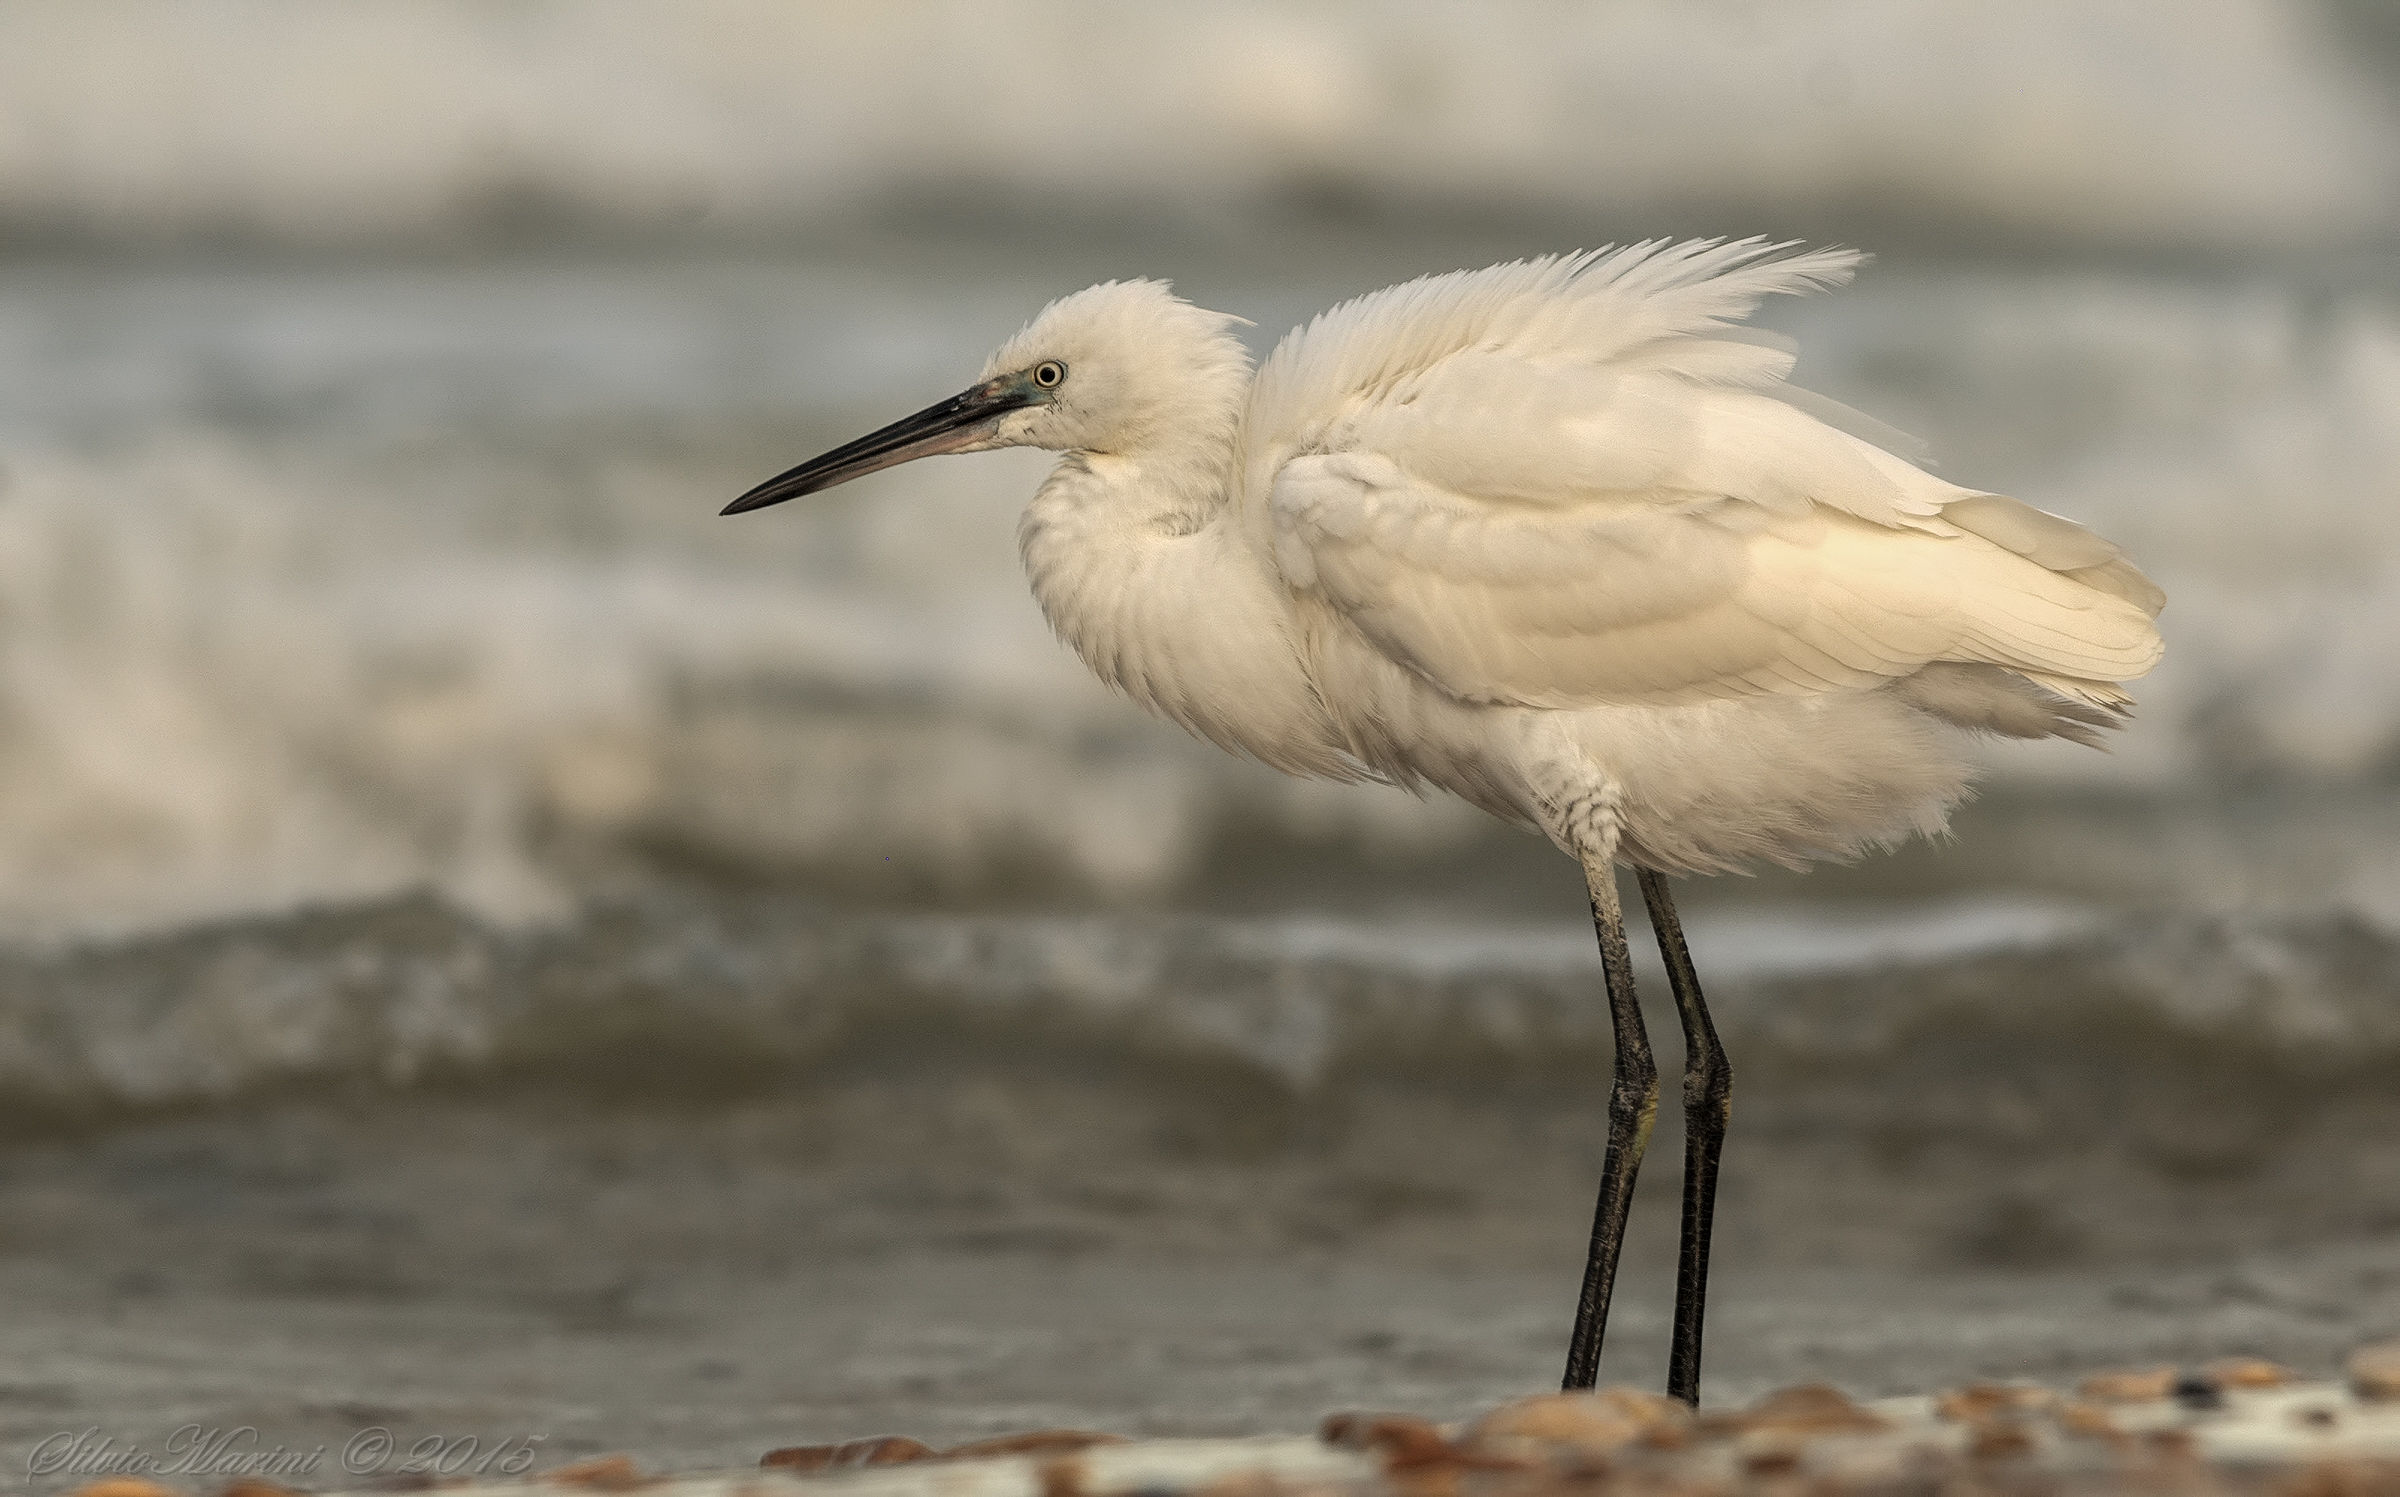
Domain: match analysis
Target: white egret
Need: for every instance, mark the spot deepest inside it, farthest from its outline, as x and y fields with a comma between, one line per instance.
x=1556, y=537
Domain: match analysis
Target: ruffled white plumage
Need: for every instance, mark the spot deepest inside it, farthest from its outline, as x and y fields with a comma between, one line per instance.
x=1557, y=537
x=1570, y=483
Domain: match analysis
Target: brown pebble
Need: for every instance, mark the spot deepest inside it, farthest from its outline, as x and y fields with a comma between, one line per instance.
x=2145, y=1385
x=2316, y=1416
x=1979, y=1401
x=799, y=1457
x=2170, y=1444
x=2343, y=1479
x=2248, y=1372
x=601, y=1473
x=1440, y=1479
x=1596, y=1423
x=1999, y=1439
x=1402, y=1440
x=1060, y=1476
x=1245, y=1484
x=122, y=1486
x=2375, y=1370
x=876, y=1450
x=1669, y=1436
x=2088, y=1419
x=1811, y=1408
x=1772, y=1460
x=252, y=1486
x=1032, y=1442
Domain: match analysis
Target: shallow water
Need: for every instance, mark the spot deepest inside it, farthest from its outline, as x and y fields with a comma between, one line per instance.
x=701, y=1175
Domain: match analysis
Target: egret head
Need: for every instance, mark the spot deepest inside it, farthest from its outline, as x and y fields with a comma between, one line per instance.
x=1123, y=367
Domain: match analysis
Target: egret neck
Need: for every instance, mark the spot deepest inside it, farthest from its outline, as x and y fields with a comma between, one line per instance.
x=1136, y=561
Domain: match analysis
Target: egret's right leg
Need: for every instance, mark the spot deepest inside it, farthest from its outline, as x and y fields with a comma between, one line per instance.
x=1632, y=1109
x=1707, y=1107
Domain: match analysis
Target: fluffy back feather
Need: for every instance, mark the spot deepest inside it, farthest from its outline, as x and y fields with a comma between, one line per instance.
x=1653, y=305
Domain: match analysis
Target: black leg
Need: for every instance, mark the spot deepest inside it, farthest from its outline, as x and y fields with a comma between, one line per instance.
x=1632, y=1108
x=1707, y=1106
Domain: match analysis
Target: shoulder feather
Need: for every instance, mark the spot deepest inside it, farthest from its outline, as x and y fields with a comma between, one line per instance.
x=1658, y=305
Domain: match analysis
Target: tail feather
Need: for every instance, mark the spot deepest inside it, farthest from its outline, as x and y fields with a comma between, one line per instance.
x=2017, y=704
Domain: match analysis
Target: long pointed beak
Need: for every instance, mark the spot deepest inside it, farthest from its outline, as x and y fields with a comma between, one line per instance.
x=955, y=423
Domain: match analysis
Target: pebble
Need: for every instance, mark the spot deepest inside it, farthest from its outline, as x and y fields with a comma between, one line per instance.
x=2375, y=1370
x=875, y=1450
x=1977, y=1402
x=1812, y=1408
x=2261, y=1430
x=2088, y=1419
x=2249, y=1372
x=2198, y=1391
x=1598, y=1423
x=601, y=1473
x=1402, y=1440
x=2142, y=1386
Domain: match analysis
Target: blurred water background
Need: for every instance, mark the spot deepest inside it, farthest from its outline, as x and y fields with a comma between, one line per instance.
x=383, y=705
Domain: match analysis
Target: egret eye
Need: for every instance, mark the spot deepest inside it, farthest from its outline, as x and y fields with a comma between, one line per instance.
x=1048, y=373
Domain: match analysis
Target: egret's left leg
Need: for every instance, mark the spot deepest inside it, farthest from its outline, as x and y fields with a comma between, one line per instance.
x=1707, y=1107
x=1632, y=1107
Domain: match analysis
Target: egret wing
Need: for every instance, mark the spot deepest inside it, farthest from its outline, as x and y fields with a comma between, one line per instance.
x=1674, y=598
x=1525, y=510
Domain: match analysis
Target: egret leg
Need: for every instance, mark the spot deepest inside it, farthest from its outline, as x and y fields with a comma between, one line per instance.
x=1707, y=1107
x=1632, y=1109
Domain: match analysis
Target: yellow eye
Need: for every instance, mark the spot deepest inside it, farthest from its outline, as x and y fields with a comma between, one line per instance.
x=1048, y=373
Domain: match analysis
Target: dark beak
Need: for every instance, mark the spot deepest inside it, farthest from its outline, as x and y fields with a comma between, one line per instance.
x=953, y=424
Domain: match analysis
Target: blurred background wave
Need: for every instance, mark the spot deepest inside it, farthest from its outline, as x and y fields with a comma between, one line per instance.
x=2228, y=124
x=370, y=376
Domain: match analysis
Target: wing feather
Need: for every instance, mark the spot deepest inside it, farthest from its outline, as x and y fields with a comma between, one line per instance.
x=1570, y=482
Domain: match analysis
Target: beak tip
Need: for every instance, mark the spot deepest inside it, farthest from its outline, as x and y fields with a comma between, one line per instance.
x=758, y=498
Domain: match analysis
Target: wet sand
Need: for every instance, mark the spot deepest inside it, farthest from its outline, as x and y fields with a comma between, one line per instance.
x=696, y=1177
